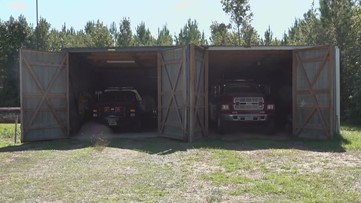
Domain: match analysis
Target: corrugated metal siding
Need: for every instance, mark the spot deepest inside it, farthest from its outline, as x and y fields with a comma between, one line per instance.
x=44, y=95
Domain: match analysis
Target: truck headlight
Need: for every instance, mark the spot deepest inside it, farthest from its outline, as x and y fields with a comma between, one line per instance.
x=270, y=107
x=224, y=107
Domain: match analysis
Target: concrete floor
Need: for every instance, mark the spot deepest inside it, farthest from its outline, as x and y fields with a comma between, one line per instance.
x=93, y=130
x=97, y=130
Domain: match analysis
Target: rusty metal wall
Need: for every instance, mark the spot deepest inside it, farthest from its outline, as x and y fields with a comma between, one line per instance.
x=44, y=95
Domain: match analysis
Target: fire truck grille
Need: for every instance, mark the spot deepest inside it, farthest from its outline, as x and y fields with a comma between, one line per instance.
x=248, y=103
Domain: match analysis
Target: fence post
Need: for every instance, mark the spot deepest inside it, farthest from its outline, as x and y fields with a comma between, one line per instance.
x=16, y=129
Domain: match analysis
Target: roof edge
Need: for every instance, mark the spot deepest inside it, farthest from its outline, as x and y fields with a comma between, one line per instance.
x=117, y=49
x=255, y=48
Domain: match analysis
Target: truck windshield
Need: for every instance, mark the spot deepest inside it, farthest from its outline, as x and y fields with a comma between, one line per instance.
x=234, y=88
x=117, y=96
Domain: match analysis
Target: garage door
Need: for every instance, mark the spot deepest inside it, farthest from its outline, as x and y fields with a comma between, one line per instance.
x=44, y=95
x=199, y=93
x=173, y=97
x=313, y=92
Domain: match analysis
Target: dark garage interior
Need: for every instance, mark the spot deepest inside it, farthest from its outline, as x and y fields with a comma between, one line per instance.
x=95, y=69
x=269, y=66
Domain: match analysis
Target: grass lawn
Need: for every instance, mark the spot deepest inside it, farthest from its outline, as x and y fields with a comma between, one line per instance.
x=164, y=170
x=7, y=134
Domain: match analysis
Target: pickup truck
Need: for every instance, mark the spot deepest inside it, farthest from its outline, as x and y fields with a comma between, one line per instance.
x=241, y=101
x=118, y=107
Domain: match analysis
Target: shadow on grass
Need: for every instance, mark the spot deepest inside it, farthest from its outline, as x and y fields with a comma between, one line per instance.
x=162, y=146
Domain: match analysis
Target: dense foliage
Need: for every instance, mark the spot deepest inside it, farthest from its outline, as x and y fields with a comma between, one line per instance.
x=335, y=22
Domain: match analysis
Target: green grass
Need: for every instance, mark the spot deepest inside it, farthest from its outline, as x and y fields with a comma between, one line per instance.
x=165, y=170
x=352, y=137
x=7, y=130
x=279, y=175
x=7, y=133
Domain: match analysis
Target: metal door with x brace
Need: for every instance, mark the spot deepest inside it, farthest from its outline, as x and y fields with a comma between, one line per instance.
x=173, y=97
x=183, y=93
x=198, y=93
x=44, y=95
x=314, y=92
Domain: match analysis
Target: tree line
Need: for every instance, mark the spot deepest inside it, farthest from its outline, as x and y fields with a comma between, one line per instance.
x=335, y=22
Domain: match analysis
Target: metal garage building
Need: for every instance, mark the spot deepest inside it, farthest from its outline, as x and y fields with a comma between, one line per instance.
x=179, y=77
